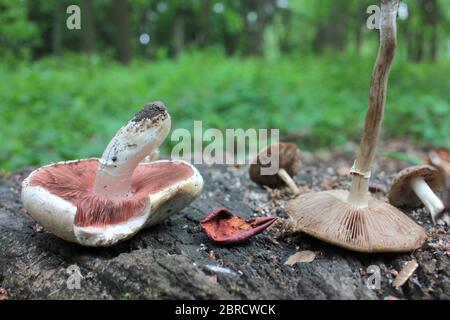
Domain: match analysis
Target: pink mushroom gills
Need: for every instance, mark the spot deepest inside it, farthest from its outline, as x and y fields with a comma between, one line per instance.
x=352, y=219
x=99, y=202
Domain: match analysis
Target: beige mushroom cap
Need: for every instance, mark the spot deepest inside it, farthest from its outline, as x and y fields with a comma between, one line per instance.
x=401, y=193
x=289, y=160
x=379, y=227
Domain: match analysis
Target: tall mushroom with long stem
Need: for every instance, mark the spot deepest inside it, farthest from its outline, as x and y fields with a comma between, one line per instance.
x=352, y=219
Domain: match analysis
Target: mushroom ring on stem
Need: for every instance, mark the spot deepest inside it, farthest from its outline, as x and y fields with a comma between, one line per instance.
x=98, y=202
x=284, y=158
x=352, y=219
x=415, y=186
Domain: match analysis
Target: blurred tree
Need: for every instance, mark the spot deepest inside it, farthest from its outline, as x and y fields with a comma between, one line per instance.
x=58, y=11
x=123, y=35
x=251, y=27
x=204, y=22
x=88, y=27
x=17, y=32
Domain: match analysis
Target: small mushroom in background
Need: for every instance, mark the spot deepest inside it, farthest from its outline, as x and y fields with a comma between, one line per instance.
x=441, y=161
x=442, y=164
x=284, y=156
x=354, y=220
x=98, y=202
x=224, y=227
x=415, y=186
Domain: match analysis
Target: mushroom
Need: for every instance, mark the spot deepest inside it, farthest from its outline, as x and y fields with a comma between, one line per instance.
x=443, y=165
x=354, y=220
x=98, y=202
x=286, y=159
x=440, y=161
x=416, y=185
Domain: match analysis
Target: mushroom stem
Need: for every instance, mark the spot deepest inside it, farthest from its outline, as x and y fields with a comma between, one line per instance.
x=377, y=100
x=428, y=197
x=288, y=180
x=131, y=144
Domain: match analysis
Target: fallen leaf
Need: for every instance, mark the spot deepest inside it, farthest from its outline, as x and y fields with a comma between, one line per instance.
x=222, y=226
x=301, y=257
x=3, y=294
x=406, y=272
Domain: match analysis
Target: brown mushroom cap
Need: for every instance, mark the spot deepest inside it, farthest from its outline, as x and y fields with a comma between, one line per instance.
x=379, y=227
x=289, y=160
x=401, y=193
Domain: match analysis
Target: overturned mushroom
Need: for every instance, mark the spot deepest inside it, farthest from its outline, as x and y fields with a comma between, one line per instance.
x=415, y=186
x=98, y=202
x=284, y=158
x=354, y=220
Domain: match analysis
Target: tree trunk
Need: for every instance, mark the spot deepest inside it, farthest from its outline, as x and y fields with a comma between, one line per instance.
x=204, y=21
x=331, y=31
x=57, y=29
x=254, y=30
x=178, y=33
x=88, y=27
x=120, y=18
x=433, y=44
x=360, y=18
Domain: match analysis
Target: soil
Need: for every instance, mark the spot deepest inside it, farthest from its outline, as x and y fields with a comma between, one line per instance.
x=150, y=111
x=175, y=260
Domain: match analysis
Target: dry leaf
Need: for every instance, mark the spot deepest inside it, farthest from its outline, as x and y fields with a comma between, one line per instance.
x=3, y=294
x=300, y=257
x=406, y=272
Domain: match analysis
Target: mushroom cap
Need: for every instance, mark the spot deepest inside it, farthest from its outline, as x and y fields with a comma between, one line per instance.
x=440, y=161
x=379, y=227
x=288, y=159
x=402, y=194
x=60, y=198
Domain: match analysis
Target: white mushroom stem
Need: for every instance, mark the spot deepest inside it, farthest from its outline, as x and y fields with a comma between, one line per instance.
x=131, y=144
x=377, y=101
x=428, y=197
x=289, y=181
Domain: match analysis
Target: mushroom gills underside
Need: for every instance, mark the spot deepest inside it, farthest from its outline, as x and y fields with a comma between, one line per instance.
x=378, y=227
x=160, y=189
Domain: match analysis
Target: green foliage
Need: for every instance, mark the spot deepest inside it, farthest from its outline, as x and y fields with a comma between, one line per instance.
x=16, y=32
x=69, y=108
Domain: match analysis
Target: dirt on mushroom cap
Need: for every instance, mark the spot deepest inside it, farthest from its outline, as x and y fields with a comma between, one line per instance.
x=151, y=111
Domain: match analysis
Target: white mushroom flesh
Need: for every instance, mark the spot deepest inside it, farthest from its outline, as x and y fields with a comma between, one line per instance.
x=131, y=144
x=428, y=198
